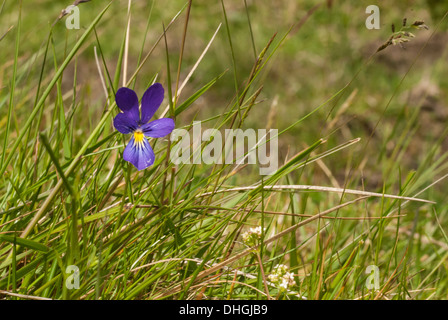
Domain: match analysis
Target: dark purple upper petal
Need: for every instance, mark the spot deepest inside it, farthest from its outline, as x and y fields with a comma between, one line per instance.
x=140, y=154
x=124, y=124
x=127, y=101
x=158, y=128
x=151, y=101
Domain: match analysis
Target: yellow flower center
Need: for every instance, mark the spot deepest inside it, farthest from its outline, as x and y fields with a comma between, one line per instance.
x=138, y=137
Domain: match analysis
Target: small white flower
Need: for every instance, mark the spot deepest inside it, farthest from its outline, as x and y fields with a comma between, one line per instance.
x=252, y=237
x=273, y=277
x=283, y=285
x=289, y=278
x=282, y=277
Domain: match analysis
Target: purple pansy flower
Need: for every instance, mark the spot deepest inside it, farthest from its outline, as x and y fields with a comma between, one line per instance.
x=135, y=121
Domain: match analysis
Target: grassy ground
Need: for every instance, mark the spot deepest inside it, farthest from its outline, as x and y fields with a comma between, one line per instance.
x=309, y=69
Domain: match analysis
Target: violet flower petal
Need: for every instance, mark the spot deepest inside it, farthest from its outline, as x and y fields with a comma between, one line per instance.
x=124, y=124
x=152, y=98
x=158, y=128
x=140, y=154
x=127, y=101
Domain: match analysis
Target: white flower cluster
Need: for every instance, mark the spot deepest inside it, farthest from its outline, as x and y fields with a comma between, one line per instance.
x=252, y=237
x=282, y=277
